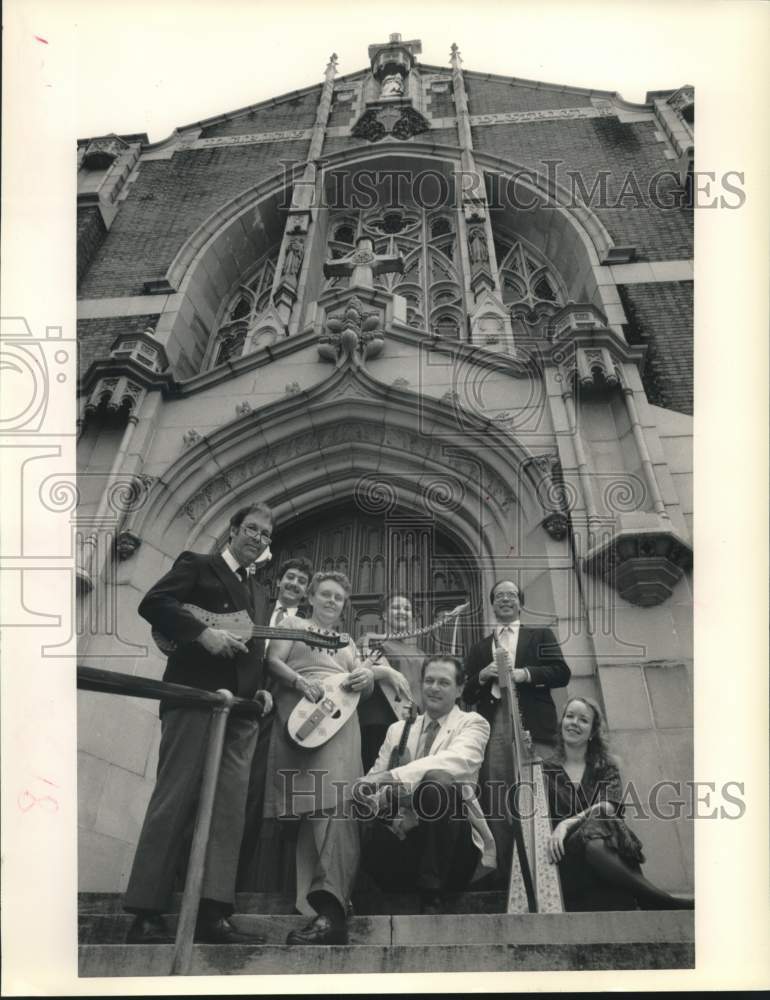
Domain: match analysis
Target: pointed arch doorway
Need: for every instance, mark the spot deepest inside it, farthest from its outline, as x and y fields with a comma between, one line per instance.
x=381, y=553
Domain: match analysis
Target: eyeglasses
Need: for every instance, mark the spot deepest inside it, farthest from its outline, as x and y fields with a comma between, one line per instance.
x=255, y=532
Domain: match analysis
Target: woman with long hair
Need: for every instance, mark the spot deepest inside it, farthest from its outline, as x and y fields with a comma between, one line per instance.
x=599, y=857
x=313, y=786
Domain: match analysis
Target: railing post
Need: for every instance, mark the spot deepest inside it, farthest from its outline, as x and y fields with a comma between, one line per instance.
x=188, y=912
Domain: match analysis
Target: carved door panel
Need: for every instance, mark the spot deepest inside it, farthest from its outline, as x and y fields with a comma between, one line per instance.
x=380, y=555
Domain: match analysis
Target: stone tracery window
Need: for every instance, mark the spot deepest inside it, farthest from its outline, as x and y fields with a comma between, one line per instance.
x=531, y=288
x=431, y=282
x=241, y=311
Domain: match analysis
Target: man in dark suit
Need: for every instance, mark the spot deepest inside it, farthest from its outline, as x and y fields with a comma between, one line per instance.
x=537, y=667
x=208, y=658
x=261, y=866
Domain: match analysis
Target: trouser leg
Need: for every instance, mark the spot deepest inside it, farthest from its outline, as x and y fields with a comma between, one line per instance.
x=328, y=852
x=444, y=834
x=229, y=812
x=184, y=734
x=253, y=826
x=390, y=861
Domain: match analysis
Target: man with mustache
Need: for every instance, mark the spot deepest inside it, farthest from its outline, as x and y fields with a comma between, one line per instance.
x=293, y=579
x=261, y=865
x=537, y=666
x=208, y=658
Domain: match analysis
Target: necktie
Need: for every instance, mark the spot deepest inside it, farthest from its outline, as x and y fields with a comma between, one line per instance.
x=429, y=735
x=504, y=639
x=280, y=615
x=242, y=575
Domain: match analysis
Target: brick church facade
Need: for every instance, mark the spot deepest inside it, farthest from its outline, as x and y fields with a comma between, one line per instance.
x=440, y=321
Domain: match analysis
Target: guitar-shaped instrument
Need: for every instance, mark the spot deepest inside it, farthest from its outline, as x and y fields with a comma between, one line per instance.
x=312, y=723
x=241, y=625
x=374, y=642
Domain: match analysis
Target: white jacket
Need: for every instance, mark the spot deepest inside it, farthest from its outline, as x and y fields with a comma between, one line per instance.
x=458, y=749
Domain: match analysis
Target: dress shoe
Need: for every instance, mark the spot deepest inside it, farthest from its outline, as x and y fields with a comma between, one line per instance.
x=148, y=929
x=320, y=930
x=221, y=931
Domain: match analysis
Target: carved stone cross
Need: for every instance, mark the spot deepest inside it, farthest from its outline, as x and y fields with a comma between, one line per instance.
x=363, y=264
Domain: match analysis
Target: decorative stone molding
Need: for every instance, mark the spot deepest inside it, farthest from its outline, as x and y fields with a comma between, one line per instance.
x=557, y=525
x=400, y=383
x=243, y=409
x=266, y=329
x=590, y=368
x=113, y=393
x=394, y=57
x=293, y=388
x=491, y=323
x=190, y=438
x=142, y=348
x=298, y=223
x=399, y=121
x=574, y=318
x=126, y=545
x=683, y=99
x=474, y=210
x=102, y=152
x=549, y=115
x=346, y=433
x=643, y=566
x=553, y=494
x=354, y=335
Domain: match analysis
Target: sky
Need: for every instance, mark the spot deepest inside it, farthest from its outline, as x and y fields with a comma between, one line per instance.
x=150, y=66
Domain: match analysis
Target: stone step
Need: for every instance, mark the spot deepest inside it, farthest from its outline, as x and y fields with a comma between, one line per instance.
x=364, y=903
x=488, y=943
x=111, y=928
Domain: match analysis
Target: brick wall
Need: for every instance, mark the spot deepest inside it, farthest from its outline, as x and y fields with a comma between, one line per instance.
x=96, y=336
x=442, y=104
x=91, y=233
x=625, y=150
x=487, y=97
x=167, y=203
x=660, y=315
x=341, y=114
x=296, y=112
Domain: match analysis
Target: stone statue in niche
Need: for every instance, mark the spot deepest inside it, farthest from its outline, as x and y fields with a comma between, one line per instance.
x=293, y=260
x=392, y=86
x=477, y=246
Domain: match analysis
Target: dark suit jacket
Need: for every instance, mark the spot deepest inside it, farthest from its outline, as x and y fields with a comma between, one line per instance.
x=207, y=581
x=538, y=651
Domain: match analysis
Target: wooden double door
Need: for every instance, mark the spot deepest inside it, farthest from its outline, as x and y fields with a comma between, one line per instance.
x=380, y=554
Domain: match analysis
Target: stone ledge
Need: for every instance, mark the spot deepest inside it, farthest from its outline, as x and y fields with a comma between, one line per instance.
x=210, y=960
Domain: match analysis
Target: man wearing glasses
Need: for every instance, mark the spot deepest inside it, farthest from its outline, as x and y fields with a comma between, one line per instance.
x=207, y=658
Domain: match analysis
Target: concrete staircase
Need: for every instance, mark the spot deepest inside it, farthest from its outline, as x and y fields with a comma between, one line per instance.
x=387, y=934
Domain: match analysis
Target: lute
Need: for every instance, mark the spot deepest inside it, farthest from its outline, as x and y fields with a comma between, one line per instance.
x=312, y=723
x=373, y=642
x=240, y=624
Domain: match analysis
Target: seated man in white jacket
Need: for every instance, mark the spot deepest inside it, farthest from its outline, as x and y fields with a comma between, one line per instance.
x=431, y=834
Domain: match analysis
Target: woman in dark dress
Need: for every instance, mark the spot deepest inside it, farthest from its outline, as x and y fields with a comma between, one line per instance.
x=397, y=670
x=599, y=857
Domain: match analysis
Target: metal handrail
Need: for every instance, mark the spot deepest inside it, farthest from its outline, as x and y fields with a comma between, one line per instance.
x=222, y=704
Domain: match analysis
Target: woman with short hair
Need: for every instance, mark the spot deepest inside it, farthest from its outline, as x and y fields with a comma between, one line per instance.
x=313, y=786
